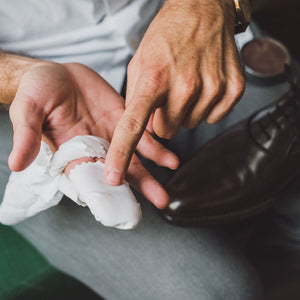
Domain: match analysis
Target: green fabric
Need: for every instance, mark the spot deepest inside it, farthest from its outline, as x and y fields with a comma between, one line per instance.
x=25, y=274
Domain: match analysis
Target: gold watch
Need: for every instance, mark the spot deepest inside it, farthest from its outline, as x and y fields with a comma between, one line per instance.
x=243, y=15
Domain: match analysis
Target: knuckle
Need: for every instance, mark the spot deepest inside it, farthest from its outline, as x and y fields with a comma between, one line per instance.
x=131, y=126
x=153, y=80
x=136, y=164
x=189, y=81
x=121, y=153
x=188, y=85
x=239, y=85
x=166, y=133
x=215, y=86
x=213, y=91
x=236, y=87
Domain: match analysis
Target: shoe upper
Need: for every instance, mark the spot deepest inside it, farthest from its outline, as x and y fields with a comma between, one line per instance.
x=240, y=171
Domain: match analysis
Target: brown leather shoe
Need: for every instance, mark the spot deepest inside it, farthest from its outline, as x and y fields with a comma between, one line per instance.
x=238, y=173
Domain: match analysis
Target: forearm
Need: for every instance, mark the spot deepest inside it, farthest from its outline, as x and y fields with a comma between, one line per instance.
x=12, y=68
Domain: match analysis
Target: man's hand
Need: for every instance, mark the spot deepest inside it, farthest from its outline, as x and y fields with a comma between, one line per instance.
x=59, y=101
x=185, y=70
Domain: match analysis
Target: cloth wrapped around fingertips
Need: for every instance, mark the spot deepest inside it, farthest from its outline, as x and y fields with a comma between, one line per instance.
x=43, y=184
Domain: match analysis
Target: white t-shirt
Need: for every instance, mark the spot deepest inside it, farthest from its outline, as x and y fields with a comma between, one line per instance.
x=101, y=34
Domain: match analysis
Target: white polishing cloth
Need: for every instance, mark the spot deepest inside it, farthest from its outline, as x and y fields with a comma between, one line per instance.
x=117, y=209
x=43, y=184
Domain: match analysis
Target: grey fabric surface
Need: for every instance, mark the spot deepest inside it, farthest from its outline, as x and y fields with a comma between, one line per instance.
x=156, y=260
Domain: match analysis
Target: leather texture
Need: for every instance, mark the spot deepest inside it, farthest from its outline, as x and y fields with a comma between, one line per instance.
x=239, y=173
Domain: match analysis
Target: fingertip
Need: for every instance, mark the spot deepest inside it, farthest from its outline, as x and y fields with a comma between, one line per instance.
x=169, y=160
x=162, y=205
x=15, y=164
x=12, y=163
x=162, y=199
x=113, y=177
x=214, y=118
x=18, y=163
x=173, y=162
x=115, y=166
x=155, y=151
x=24, y=152
x=156, y=194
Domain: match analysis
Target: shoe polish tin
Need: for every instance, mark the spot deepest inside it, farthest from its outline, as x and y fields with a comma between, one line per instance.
x=265, y=60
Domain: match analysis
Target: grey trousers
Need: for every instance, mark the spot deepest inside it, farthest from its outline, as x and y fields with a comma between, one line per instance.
x=157, y=260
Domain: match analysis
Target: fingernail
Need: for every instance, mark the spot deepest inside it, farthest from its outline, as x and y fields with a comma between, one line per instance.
x=114, y=177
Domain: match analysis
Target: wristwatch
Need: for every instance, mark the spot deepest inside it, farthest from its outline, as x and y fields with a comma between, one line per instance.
x=243, y=15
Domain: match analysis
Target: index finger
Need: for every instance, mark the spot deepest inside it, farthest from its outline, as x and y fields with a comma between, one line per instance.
x=125, y=138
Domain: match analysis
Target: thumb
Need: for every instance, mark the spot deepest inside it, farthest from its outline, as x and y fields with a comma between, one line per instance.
x=27, y=119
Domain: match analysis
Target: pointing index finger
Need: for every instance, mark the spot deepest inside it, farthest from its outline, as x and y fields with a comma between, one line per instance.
x=126, y=136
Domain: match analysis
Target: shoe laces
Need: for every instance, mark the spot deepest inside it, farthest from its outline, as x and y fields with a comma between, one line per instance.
x=294, y=101
x=294, y=98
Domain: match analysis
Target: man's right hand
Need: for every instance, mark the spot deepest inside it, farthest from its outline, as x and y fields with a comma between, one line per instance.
x=59, y=101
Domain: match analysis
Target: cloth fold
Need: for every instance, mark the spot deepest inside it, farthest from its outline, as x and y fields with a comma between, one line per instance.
x=43, y=184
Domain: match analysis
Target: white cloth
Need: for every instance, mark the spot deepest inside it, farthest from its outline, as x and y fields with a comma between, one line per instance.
x=43, y=184
x=101, y=34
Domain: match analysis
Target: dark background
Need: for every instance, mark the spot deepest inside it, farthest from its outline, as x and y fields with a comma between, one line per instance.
x=284, y=25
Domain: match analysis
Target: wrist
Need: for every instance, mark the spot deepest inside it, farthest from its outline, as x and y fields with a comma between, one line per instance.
x=224, y=3
x=209, y=8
